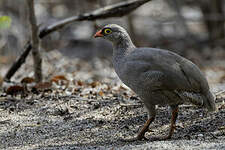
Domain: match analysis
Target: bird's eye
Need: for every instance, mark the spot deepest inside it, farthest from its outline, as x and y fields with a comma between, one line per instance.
x=107, y=31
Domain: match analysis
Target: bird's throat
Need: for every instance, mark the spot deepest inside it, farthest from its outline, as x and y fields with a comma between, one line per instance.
x=122, y=48
x=124, y=45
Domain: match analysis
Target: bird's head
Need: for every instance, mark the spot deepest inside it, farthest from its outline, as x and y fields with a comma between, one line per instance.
x=112, y=32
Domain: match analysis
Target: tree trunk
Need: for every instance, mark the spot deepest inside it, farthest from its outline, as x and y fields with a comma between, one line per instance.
x=35, y=42
x=214, y=18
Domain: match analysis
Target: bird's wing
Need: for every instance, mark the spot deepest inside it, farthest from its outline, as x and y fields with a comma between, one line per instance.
x=194, y=76
x=159, y=69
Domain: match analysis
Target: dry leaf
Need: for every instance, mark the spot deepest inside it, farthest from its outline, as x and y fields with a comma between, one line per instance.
x=94, y=84
x=15, y=89
x=77, y=90
x=27, y=80
x=60, y=80
x=100, y=93
x=57, y=78
x=42, y=86
x=80, y=83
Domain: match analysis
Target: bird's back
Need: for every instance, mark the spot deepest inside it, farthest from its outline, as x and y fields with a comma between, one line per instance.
x=156, y=69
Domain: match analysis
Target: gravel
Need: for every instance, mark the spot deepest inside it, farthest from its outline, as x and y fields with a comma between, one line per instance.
x=102, y=115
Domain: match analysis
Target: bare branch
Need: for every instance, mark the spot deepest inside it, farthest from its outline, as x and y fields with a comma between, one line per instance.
x=18, y=62
x=35, y=42
x=116, y=10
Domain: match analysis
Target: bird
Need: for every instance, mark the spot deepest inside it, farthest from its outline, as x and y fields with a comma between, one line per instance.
x=157, y=76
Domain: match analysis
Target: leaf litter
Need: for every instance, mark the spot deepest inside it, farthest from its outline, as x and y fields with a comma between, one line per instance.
x=81, y=106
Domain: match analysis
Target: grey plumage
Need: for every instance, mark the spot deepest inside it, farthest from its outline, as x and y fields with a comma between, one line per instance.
x=159, y=77
x=146, y=70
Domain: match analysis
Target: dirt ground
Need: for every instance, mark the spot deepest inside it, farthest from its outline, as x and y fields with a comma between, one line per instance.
x=94, y=110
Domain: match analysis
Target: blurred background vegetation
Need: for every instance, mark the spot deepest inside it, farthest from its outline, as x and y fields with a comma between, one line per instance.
x=194, y=29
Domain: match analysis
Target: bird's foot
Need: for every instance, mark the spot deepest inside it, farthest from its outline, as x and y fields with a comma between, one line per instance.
x=162, y=138
x=141, y=138
x=141, y=135
x=129, y=140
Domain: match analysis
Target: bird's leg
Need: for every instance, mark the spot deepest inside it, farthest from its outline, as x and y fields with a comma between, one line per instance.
x=141, y=135
x=173, y=122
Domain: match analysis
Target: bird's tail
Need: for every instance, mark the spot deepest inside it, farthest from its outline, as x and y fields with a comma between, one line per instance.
x=209, y=102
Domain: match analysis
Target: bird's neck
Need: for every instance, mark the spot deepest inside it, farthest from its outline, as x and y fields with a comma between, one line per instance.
x=123, y=47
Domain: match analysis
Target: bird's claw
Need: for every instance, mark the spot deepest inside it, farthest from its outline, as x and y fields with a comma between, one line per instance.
x=163, y=138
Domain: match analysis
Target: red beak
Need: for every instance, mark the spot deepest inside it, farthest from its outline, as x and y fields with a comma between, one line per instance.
x=98, y=34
